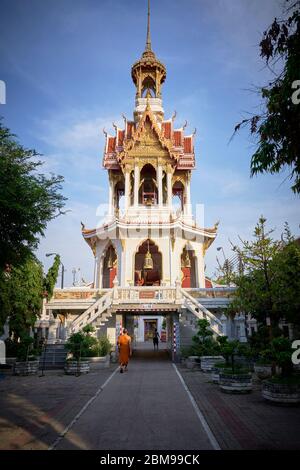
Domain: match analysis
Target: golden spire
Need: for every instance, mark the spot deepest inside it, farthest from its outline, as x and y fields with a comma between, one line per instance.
x=148, y=71
x=148, y=41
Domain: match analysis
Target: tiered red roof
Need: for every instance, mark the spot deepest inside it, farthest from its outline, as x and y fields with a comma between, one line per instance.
x=182, y=146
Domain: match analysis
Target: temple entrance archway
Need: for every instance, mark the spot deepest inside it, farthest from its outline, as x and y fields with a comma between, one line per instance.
x=148, y=265
x=110, y=264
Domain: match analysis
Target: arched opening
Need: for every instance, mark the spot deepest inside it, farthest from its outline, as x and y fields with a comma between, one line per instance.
x=110, y=265
x=148, y=87
x=177, y=192
x=188, y=268
x=119, y=195
x=148, y=265
x=148, y=186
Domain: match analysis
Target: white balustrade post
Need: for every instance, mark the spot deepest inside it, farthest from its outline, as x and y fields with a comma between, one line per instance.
x=115, y=293
x=178, y=294
x=243, y=337
x=224, y=324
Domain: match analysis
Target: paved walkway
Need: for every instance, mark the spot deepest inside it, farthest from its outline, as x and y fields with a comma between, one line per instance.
x=244, y=421
x=144, y=408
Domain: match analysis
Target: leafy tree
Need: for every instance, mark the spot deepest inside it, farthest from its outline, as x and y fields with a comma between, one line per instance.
x=23, y=291
x=82, y=344
x=280, y=353
x=104, y=346
x=203, y=342
x=51, y=277
x=230, y=349
x=28, y=200
x=286, y=284
x=225, y=274
x=277, y=128
x=270, y=285
x=21, y=295
x=255, y=292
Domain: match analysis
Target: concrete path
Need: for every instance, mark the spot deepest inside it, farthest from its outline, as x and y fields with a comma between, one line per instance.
x=144, y=408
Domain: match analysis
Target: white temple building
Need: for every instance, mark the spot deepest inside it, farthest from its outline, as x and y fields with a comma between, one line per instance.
x=149, y=251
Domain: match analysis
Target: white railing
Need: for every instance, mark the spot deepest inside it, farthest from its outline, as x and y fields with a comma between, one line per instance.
x=145, y=295
x=93, y=312
x=201, y=312
x=141, y=294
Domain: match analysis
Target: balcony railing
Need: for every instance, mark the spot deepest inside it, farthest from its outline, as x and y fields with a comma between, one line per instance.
x=157, y=294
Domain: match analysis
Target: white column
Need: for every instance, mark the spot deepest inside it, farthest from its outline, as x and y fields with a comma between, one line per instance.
x=95, y=271
x=159, y=183
x=127, y=189
x=243, y=337
x=188, y=208
x=169, y=188
x=100, y=272
x=224, y=324
x=136, y=184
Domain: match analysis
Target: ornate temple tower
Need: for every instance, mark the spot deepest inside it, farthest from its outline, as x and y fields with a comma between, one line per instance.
x=149, y=236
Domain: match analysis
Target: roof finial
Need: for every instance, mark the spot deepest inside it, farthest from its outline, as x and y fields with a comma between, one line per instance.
x=148, y=42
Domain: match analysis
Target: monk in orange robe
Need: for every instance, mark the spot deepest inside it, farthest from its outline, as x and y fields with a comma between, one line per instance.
x=124, y=346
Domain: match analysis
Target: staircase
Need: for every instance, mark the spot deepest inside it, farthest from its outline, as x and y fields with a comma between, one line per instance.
x=100, y=311
x=53, y=357
x=188, y=328
x=201, y=312
x=97, y=314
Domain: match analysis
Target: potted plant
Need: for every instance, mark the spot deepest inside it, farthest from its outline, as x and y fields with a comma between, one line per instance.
x=26, y=362
x=263, y=366
x=283, y=388
x=234, y=377
x=205, y=347
x=259, y=342
x=99, y=354
x=79, y=346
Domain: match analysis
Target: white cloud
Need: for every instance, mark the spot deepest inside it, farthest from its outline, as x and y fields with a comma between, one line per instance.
x=75, y=138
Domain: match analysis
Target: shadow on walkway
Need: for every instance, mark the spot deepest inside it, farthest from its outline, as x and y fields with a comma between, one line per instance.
x=150, y=355
x=145, y=350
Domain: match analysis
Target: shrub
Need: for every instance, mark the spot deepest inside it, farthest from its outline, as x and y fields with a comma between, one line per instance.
x=82, y=343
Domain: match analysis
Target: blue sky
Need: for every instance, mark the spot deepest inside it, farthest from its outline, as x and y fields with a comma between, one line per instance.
x=66, y=64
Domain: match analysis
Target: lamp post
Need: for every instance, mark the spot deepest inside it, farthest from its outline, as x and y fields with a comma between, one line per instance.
x=62, y=268
x=221, y=248
x=226, y=265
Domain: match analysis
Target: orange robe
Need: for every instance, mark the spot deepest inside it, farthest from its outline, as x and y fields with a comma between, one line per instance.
x=124, y=342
